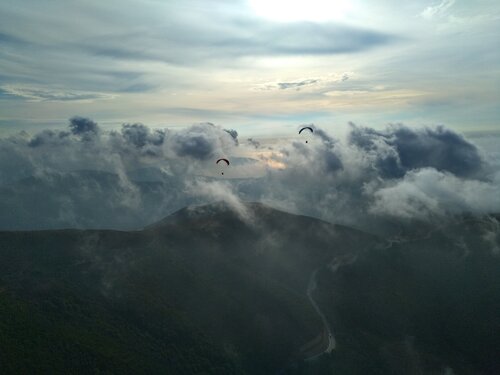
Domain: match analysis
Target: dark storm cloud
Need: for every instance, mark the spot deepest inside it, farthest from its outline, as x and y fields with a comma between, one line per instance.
x=48, y=137
x=202, y=141
x=439, y=148
x=140, y=135
x=82, y=125
x=324, y=136
x=196, y=146
x=401, y=149
x=331, y=160
x=233, y=133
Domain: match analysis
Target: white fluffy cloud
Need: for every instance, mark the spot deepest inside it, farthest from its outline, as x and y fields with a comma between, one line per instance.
x=428, y=193
x=87, y=177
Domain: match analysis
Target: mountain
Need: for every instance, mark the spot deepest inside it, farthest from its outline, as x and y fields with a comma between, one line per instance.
x=209, y=290
x=68, y=200
x=425, y=303
x=245, y=289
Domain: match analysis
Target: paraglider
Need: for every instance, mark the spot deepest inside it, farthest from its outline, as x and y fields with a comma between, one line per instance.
x=304, y=128
x=223, y=160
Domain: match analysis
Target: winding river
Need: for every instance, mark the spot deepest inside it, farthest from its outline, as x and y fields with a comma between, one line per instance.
x=310, y=290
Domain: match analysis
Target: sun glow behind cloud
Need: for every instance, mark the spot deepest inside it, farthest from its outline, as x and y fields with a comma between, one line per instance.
x=300, y=10
x=261, y=67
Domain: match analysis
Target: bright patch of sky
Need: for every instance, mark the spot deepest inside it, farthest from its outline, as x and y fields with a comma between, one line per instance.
x=259, y=67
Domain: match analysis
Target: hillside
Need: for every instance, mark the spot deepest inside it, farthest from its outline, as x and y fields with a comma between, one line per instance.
x=246, y=289
x=207, y=290
x=427, y=304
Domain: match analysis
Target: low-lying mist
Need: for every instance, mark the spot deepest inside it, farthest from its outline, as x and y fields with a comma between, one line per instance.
x=89, y=177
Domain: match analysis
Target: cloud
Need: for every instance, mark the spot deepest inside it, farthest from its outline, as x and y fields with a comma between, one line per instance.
x=220, y=191
x=437, y=10
x=429, y=194
x=203, y=141
x=233, y=133
x=38, y=94
x=46, y=58
x=48, y=137
x=296, y=85
x=81, y=125
x=89, y=177
x=322, y=83
x=491, y=235
x=300, y=38
x=197, y=147
x=376, y=175
x=248, y=36
x=140, y=135
x=11, y=39
x=400, y=149
x=253, y=142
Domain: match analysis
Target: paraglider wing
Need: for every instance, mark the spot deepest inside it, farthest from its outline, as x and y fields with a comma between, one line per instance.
x=225, y=160
x=306, y=127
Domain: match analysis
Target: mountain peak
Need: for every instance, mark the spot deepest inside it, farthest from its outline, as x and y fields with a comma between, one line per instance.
x=241, y=211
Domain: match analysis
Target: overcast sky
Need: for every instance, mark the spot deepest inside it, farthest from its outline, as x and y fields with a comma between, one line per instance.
x=260, y=67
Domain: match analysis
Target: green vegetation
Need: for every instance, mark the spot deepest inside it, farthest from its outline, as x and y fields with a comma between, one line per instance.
x=418, y=306
x=206, y=291
x=200, y=293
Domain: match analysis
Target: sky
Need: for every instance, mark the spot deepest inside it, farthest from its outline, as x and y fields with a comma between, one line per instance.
x=86, y=176
x=260, y=67
x=113, y=114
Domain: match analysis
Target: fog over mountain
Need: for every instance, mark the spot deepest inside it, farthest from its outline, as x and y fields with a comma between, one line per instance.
x=89, y=177
x=250, y=187
x=373, y=253
x=246, y=289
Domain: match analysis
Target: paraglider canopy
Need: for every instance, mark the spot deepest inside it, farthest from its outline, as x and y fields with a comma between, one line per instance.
x=223, y=160
x=304, y=128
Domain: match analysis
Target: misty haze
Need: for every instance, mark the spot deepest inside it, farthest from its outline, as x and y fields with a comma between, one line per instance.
x=249, y=187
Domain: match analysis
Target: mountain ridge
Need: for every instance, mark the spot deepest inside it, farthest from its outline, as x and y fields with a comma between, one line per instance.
x=238, y=282
x=223, y=289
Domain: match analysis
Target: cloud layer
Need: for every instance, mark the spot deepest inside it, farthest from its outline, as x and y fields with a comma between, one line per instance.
x=87, y=177
x=183, y=61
